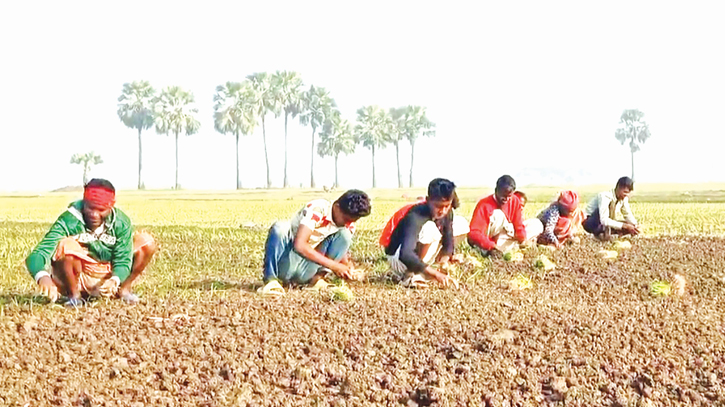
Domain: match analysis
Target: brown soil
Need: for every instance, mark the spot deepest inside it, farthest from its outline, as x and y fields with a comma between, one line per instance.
x=588, y=333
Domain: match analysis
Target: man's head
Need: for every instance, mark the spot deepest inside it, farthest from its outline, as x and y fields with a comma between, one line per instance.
x=568, y=202
x=350, y=206
x=505, y=187
x=99, y=196
x=624, y=187
x=441, y=197
x=522, y=197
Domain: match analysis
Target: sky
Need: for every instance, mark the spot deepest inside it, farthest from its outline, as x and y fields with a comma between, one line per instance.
x=528, y=88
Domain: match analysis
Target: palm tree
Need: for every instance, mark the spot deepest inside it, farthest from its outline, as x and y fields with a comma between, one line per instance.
x=416, y=124
x=233, y=113
x=175, y=112
x=316, y=110
x=264, y=101
x=373, y=129
x=336, y=137
x=87, y=160
x=398, y=134
x=633, y=129
x=136, y=111
x=288, y=86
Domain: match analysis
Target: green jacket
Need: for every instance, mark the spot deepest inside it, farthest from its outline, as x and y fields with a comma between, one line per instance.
x=114, y=245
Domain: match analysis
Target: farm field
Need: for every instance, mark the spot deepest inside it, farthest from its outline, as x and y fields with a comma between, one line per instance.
x=590, y=332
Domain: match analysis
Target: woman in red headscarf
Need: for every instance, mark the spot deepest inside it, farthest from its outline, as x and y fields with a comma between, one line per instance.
x=560, y=219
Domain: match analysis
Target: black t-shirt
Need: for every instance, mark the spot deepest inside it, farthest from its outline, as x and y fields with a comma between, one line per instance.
x=406, y=234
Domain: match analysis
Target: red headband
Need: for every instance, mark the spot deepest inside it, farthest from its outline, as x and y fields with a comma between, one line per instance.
x=99, y=196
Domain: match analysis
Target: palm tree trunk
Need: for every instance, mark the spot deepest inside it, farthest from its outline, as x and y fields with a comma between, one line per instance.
x=239, y=180
x=140, y=155
x=412, y=155
x=176, y=186
x=337, y=185
x=266, y=158
x=85, y=173
x=312, y=159
x=632, y=152
x=286, y=182
x=397, y=157
x=375, y=184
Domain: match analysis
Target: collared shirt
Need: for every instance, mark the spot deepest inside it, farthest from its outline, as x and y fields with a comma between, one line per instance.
x=607, y=205
x=317, y=215
x=111, y=242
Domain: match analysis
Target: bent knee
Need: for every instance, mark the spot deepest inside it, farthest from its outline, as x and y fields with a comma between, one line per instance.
x=345, y=234
x=145, y=243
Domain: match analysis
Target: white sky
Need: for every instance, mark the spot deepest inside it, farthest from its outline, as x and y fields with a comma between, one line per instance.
x=514, y=87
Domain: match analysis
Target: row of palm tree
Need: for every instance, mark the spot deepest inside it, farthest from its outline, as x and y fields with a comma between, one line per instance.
x=240, y=107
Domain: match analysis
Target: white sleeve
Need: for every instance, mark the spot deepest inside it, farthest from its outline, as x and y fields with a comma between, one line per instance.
x=627, y=212
x=40, y=275
x=604, y=202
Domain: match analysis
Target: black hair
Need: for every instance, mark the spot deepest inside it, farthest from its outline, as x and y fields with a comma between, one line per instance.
x=355, y=203
x=625, y=182
x=100, y=183
x=505, y=182
x=441, y=188
x=456, y=202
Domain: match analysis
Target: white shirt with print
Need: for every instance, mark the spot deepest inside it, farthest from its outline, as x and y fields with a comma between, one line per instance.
x=317, y=215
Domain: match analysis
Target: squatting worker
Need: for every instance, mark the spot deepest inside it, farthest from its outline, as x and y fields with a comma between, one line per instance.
x=91, y=250
x=602, y=210
x=313, y=243
x=420, y=238
x=497, y=223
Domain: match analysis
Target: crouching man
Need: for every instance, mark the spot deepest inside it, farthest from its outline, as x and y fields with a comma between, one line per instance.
x=423, y=235
x=497, y=223
x=602, y=210
x=313, y=243
x=91, y=250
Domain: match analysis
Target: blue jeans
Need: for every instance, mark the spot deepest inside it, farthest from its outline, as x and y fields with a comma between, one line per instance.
x=282, y=262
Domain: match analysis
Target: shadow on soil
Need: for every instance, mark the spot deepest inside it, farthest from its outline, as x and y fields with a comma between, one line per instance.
x=217, y=285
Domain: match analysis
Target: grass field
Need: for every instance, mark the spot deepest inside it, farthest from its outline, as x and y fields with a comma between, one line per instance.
x=588, y=333
x=220, y=235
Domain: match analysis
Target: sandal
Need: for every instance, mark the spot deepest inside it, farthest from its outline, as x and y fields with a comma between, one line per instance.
x=273, y=288
x=415, y=281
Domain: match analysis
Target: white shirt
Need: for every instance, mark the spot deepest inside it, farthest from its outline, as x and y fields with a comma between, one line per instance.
x=317, y=215
x=608, y=205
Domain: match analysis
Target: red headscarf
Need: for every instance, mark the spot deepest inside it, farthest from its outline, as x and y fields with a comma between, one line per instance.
x=569, y=200
x=99, y=196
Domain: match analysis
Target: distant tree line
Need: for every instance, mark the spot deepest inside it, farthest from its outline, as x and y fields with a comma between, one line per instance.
x=241, y=107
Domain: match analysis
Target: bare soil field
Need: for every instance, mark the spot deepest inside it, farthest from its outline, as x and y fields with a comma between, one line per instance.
x=587, y=333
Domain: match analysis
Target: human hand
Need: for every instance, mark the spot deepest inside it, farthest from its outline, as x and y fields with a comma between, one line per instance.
x=48, y=289
x=440, y=277
x=109, y=287
x=342, y=271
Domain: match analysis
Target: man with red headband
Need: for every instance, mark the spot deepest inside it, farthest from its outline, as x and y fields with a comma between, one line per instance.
x=91, y=250
x=561, y=220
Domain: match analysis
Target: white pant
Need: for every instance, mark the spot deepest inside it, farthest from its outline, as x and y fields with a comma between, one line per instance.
x=430, y=235
x=502, y=231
